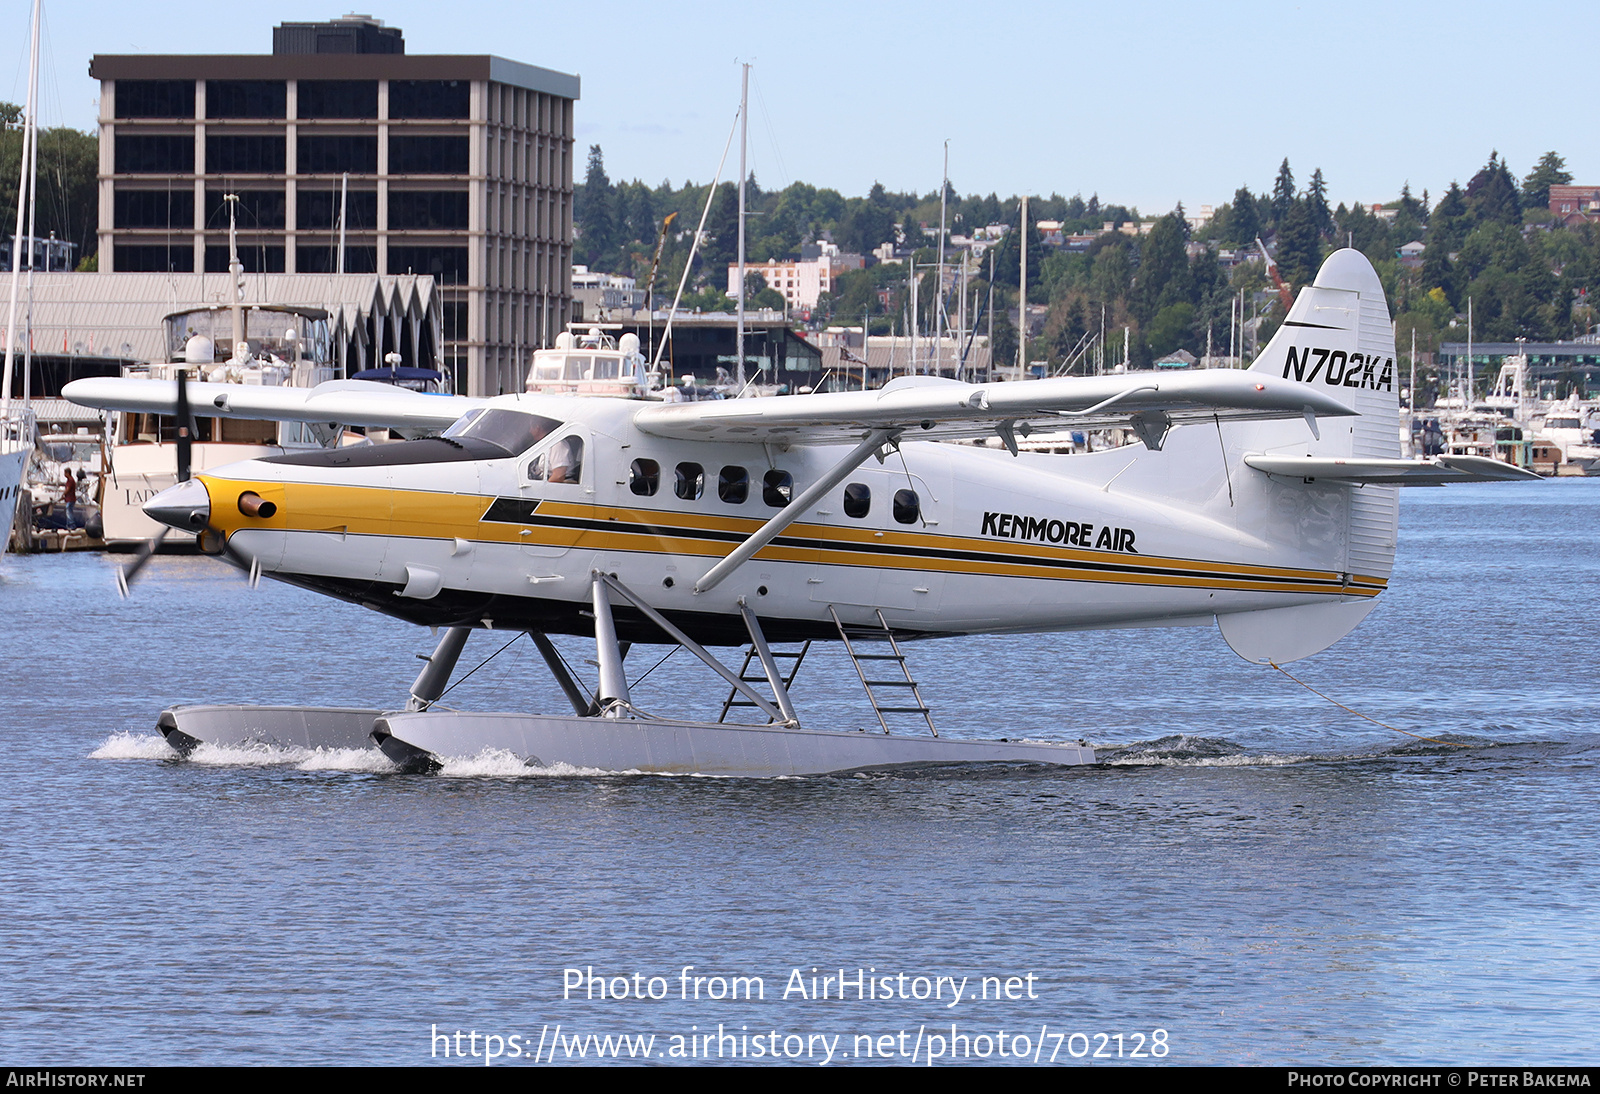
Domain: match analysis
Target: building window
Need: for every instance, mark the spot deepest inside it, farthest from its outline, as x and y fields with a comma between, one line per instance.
x=428, y=155
x=254, y=257
x=429, y=98
x=153, y=209
x=154, y=155
x=155, y=99
x=429, y=209
x=857, y=500
x=152, y=259
x=257, y=208
x=448, y=265
x=244, y=155
x=455, y=321
x=336, y=155
x=324, y=258
x=320, y=209
x=337, y=99
x=246, y=99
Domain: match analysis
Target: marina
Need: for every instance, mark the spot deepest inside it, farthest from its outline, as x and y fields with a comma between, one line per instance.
x=1268, y=878
x=462, y=594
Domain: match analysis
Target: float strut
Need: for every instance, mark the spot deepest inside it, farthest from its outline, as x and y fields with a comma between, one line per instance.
x=435, y=674
x=613, y=678
x=586, y=707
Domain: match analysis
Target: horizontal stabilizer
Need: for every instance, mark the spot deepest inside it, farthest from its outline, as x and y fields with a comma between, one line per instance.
x=1280, y=635
x=1363, y=471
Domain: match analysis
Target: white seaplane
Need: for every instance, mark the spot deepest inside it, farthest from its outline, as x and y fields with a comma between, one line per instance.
x=1261, y=499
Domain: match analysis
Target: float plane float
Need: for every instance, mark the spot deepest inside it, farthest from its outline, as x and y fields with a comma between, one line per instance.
x=1263, y=500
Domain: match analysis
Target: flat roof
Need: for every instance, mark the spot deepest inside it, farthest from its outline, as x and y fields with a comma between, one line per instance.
x=325, y=66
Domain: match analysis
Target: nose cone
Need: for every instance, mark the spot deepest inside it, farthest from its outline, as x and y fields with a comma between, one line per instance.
x=186, y=506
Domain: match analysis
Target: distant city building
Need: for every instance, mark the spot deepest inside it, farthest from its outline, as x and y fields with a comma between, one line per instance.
x=598, y=295
x=801, y=282
x=1204, y=217
x=1411, y=254
x=458, y=167
x=1575, y=204
x=49, y=255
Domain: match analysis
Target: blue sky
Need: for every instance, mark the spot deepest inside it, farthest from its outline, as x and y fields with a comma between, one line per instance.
x=1144, y=101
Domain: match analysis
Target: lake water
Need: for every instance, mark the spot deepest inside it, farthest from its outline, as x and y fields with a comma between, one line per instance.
x=1252, y=876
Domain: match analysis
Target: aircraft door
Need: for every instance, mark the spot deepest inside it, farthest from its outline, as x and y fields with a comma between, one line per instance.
x=899, y=515
x=556, y=484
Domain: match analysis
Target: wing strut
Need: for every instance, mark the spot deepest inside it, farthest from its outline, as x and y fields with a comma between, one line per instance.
x=795, y=509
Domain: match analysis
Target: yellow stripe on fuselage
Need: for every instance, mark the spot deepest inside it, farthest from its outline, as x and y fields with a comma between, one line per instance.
x=384, y=511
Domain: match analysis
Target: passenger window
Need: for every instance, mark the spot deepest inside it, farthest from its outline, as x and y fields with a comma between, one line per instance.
x=733, y=485
x=907, y=509
x=691, y=482
x=777, y=488
x=561, y=462
x=644, y=477
x=857, y=500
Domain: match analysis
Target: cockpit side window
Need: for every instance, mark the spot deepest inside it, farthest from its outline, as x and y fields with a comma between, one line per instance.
x=514, y=430
x=561, y=462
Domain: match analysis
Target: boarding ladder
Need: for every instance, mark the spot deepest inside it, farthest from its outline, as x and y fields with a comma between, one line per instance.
x=877, y=664
x=751, y=657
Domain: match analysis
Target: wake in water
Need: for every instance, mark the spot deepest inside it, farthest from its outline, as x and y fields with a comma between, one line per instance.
x=1184, y=750
x=147, y=746
x=497, y=763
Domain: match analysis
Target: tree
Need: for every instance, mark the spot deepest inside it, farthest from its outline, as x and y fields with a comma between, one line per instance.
x=1299, y=248
x=1549, y=171
x=68, y=204
x=1492, y=194
x=1317, y=204
x=1244, y=222
x=592, y=211
x=1163, y=269
x=1282, y=194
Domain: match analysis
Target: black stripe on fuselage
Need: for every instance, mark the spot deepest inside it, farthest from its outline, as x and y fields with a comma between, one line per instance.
x=930, y=553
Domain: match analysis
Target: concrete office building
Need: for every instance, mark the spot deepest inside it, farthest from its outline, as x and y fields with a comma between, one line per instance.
x=458, y=166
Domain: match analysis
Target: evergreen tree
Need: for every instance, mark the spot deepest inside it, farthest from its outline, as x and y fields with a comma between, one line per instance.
x=1282, y=195
x=1317, y=204
x=592, y=212
x=1550, y=171
x=1492, y=194
x=1163, y=269
x=1299, y=247
x=1244, y=220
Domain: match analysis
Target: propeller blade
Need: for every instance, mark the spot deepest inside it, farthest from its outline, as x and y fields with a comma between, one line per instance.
x=126, y=574
x=186, y=425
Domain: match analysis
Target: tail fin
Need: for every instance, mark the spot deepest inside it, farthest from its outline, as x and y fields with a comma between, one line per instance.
x=1337, y=337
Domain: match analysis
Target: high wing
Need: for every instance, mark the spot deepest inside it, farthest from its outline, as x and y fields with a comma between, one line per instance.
x=937, y=408
x=337, y=402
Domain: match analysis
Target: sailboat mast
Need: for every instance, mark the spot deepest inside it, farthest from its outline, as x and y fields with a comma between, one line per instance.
x=744, y=127
x=938, y=284
x=344, y=197
x=33, y=220
x=24, y=189
x=235, y=273
x=1022, y=297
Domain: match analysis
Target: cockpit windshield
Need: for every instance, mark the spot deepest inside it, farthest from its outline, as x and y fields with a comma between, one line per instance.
x=514, y=430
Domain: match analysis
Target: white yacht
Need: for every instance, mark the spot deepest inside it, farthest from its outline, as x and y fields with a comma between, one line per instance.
x=267, y=346
x=590, y=362
x=16, y=445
